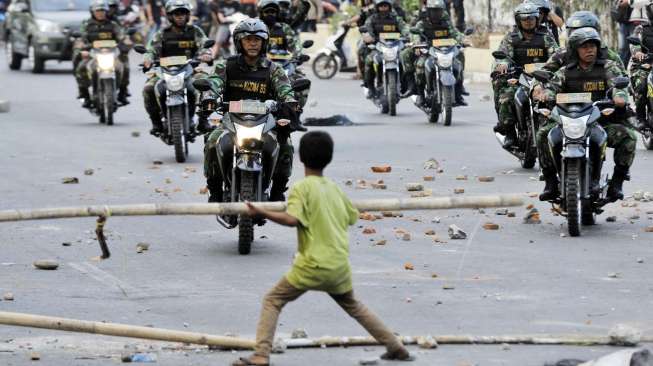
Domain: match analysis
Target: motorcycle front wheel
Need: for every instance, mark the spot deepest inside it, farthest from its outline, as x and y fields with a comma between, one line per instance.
x=392, y=92
x=572, y=196
x=108, y=105
x=245, y=223
x=325, y=66
x=178, y=139
x=647, y=139
x=447, y=104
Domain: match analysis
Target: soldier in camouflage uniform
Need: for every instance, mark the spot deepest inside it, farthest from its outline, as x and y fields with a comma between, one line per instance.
x=384, y=20
x=433, y=26
x=524, y=45
x=584, y=74
x=123, y=91
x=250, y=65
x=178, y=39
x=97, y=28
x=639, y=70
x=366, y=10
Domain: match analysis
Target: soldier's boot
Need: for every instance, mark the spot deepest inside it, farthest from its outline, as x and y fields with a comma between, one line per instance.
x=203, y=125
x=615, y=188
x=551, y=190
x=370, y=85
x=640, y=109
x=86, y=97
x=595, y=183
x=122, y=95
x=464, y=91
x=420, y=95
x=460, y=101
x=409, y=85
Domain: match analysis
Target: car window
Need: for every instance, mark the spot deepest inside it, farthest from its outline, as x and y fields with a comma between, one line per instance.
x=60, y=5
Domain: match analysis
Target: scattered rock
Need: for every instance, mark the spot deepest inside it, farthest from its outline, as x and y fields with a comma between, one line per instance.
x=532, y=217
x=157, y=162
x=89, y=172
x=448, y=287
x=427, y=342
x=367, y=216
x=530, y=207
x=481, y=211
x=5, y=106
x=485, y=179
x=299, y=333
x=456, y=233
x=459, y=190
x=461, y=177
x=368, y=361
x=46, y=264
x=34, y=356
x=381, y=242
x=422, y=194
x=379, y=186
x=204, y=190
x=429, y=232
x=70, y=180
x=382, y=169
x=405, y=237
x=649, y=212
x=392, y=214
x=429, y=178
x=414, y=187
x=640, y=260
x=435, y=220
x=623, y=335
x=634, y=217
x=611, y=219
x=142, y=247
x=628, y=204
x=369, y=231
x=563, y=235
x=349, y=182
x=168, y=181
x=490, y=226
x=434, y=275
x=638, y=195
x=8, y=296
x=66, y=244
x=409, y=266
x=142, y=357
x=511, y=214
x=505, y=347
x=614, y=275
x=649, y=229
x=431, y=164
x=136, y=134
x=501, y=211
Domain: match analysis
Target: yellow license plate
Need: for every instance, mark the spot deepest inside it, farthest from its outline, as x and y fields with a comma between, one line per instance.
x=446, y=42
x=173, y=61
x=574, y=98
x=105, y=44
x=390, y=36
x=279, y=56
x=247, y=107
x=529, y=68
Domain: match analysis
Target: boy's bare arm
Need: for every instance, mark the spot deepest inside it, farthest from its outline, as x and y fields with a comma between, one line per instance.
x=281, y=218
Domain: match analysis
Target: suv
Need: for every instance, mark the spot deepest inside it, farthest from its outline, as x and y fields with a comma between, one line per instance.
x=40, y=30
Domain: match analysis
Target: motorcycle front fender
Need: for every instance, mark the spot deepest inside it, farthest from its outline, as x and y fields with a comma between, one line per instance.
x=250, y=162
x=573, y=151
x=175, y=100
x=447, y=78
x=106, y=75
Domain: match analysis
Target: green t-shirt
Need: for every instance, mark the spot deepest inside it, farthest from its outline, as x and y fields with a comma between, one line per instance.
x=325, y=214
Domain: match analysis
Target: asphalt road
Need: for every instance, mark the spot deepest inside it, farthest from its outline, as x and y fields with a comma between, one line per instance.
x=521, y=279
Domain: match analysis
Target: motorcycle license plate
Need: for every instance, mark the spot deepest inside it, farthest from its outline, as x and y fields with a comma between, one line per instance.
x=390, y=36
x=173, y=61
x=279, y=56
x=530, y=68
x=447, y=42
x=247, y=107
x=105, y=44
x=574, y=98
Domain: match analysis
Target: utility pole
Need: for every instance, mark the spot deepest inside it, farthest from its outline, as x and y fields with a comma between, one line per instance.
x=489, y=16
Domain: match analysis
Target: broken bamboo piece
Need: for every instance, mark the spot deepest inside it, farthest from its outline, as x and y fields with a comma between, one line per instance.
x=131, y=331
x=396, y=204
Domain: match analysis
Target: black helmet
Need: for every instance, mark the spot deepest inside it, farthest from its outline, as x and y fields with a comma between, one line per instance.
x=525, y=11
x=582, y=19
x=98, y=5
x=251, y=27
x=542, y=5
x=581, y=36
x=435, y=9
x=284, y=10
x=173, y=6
x=267, y=5
x=378, y=3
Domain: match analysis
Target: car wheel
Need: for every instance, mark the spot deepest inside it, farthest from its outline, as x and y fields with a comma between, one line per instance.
x=36, y=63
x=13, y=59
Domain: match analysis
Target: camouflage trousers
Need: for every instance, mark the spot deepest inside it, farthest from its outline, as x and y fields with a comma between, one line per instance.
x=638, y=79
x=504, y=95
x=124, y=58
x=621, y=138
x=212, y=172
x=86, y=69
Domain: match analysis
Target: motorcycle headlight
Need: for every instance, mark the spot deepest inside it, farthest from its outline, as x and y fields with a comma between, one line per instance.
x=390, y=54
x=105, y=61
x=574, y=127
x=445, y=61
x=174, y=82
x=244, y=133
x=48, y=26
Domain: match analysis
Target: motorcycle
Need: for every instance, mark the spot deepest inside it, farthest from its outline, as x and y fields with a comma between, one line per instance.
x=646, y=65
x=248, y=172
x=442, y=69
x=580, y=142
x=172, y=90
x=290, y=63
x=387, y=68
x=527, y=122
x=334, y=56
x=104, y=84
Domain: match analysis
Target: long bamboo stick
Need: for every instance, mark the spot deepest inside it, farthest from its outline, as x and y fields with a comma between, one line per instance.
x=131, y=331
x=396, y=204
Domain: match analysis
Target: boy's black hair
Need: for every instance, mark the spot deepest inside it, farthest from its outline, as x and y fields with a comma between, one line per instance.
x=316, y=149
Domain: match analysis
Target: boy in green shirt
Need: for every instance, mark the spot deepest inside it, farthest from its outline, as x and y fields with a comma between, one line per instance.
x=322, y=214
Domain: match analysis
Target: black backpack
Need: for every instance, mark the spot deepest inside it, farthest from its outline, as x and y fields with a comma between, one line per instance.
x=620, y=14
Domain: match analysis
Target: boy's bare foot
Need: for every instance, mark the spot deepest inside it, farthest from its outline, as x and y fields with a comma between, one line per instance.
x=252, y=360
x=400, y=354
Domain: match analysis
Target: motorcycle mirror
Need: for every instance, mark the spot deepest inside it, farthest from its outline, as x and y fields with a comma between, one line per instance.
x=202, y=85
x=304, y=58
x=132, y=31
x=308, y=44
x=76, y=34
x=499, y=55
x=621, y=82
x=634, y=41
x=139, y=48
x=210, y=43
x=542, y=75
x=469, y=31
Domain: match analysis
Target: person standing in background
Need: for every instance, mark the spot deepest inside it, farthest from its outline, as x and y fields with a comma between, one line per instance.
x=314, y=15
x=153, y=10
x=459, y=9
x=629, y=14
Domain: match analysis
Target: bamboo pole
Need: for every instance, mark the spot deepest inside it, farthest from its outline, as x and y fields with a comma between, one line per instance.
x=158, y=209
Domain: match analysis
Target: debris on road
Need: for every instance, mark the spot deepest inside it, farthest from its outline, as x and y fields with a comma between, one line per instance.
x=8, y=296
x=614, y=275
x=369, y=361
x=89, y=172
x=142, y=247
x=429, y=232
x=392, y=214
x=461, y=177
x=432, y=164
x=139, y=357
x=448, y=287
x=204, y=190
x=157, y=162
x=381, y=242
x=4, y=106
x=427, y=342
x=70, y=180
x=624, y=335
x=136, y=134
x=435, y=220
x=490, y=226
x=611, y=219
x=380, y=184
x=501, y=211
x=34, y=356
x=649, y=229
x=382, y=169
x=299, y=333
x=409, y=266
x=459, y=190
x=336, y=120
x=429, y=178
x=369, y=231
x=46, y=264
x=485, y=179
x=422, y=194
x=414, y=187
x=366, y=216
x=532, y=217
x=456, y=233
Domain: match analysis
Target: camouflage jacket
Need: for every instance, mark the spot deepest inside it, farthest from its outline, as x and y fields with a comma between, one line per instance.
x=636, y=48
x=83, y=43
x=291, y=38
x=422, y=24
x=155, y=45
x=282, y=89
x=369, y=24
x=299, y=13
x=507, y=47
x=613, y=70
x=559, y=59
